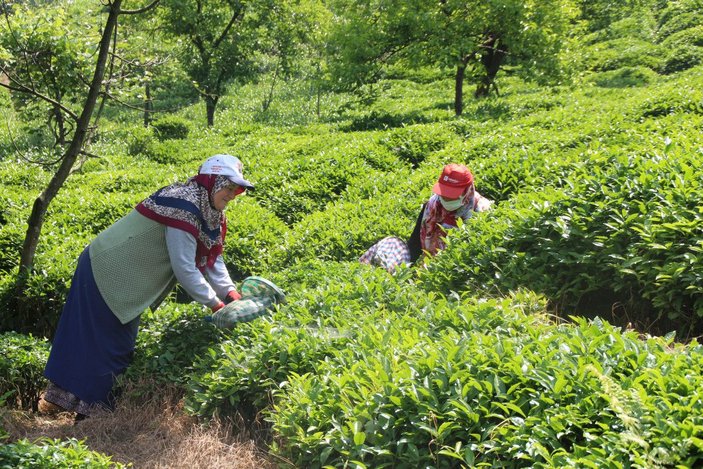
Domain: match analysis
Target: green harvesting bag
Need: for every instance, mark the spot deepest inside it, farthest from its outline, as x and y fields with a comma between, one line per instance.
x=258, y=296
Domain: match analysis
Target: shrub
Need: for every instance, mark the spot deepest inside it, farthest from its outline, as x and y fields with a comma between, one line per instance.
x=11, y=239
x=171, y=128
x=480, y=395
x=170, y=340
x=669, y=100
x=412, y=144
x=381, y=120
x=365, y=222
x=302, y=186
x=22, y=361
x=678, y=17
x=41, y=301
x=326, y=305
x=624, y=52
x=625, y=77
x=682, y=58
x=170, y=152
x=620, y=229
x=255, y=239
x=139, y=140
x=49, y=453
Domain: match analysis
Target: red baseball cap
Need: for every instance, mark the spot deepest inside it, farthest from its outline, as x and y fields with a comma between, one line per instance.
x=455, y=178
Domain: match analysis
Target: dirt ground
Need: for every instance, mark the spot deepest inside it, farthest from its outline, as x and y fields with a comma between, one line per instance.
x=150, y=433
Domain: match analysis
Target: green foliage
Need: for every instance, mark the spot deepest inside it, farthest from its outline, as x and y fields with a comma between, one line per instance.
x=22, y=361
x=670, y=100
x=624, y=77
x=139, y=140
x=622, y=52
x=618, y=229
x=364, y=222
x=460, y=361
x=324, y=309
x=413, y=144
x=682, y=58
x=299, y=186
x=171, y=128
x=255, y=240
x=470, y=398
x=49, y=453
x=222, y=42
x=170, y=340
x=450, y=35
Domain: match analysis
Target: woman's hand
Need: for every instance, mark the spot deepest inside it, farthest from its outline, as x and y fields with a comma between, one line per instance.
x=232, y=296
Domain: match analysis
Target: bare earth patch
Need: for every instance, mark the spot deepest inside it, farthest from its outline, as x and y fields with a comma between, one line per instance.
x=151, y=433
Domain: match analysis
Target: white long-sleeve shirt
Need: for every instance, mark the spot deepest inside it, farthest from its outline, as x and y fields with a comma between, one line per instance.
x=206, y=288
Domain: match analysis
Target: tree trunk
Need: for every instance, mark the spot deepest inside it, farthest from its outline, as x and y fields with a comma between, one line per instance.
x=41, y=204
x=492, y=58
x=210, y=105
x=148, y=106
x=269, y=99
x=459, y=86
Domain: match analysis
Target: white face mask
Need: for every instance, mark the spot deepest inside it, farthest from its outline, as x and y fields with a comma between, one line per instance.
x=451, y=205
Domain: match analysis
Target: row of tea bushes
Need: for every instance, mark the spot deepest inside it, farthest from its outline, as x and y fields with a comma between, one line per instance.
x=364, y=369
x=584, y=396
x=630, y=224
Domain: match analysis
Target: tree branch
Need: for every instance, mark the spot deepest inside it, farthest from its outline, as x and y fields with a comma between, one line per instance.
x=225, y=32
x=140, y=10
x=22, y=88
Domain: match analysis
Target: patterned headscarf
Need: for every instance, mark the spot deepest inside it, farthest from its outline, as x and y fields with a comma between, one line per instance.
x=188, y=207
x=436, y=220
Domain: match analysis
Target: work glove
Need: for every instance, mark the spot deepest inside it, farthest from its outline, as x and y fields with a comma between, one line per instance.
x=214, y=309
x=232, y=296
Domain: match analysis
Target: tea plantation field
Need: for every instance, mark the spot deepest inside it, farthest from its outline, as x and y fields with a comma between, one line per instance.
x=556, y=330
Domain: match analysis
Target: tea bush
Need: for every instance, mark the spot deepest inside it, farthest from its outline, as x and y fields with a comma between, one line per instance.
x=471, y=398
x=622, y=52
x=325, y=310
x=677, y=22
x=22, y=360
x=364, y=222
x=171, y=127
x=47, y=453
x=139, y=140
x=682, y=58
x=619, y=229
x=170, y=341
x=413, y=144
x=255, y=239
x=671, y=99
x=625, y=77
x=302, y=186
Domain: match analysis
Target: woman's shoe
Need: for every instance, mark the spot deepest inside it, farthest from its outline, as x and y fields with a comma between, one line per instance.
x=46, y=407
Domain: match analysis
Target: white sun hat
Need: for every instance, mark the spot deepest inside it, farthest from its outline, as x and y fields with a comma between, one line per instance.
x=226, y=165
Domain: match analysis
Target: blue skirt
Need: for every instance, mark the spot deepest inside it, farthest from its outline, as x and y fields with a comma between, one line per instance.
x=90, y=348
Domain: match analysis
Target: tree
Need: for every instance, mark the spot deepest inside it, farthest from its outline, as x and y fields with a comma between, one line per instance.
x=474, y=38
x=45, y=66
x=366, y=35
x=222, y=40
x=21, y=67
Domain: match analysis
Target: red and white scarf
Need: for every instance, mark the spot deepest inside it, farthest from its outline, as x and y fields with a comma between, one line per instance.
x=188, y=207
x=436, y=220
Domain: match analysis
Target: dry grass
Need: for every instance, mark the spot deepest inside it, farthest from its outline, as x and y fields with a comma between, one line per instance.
x=150, y=432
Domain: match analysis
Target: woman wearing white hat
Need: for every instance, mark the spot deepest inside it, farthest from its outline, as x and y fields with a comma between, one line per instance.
x=174, y=235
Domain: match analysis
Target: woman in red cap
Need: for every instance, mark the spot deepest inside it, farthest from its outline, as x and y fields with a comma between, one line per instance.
x=454, y=197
